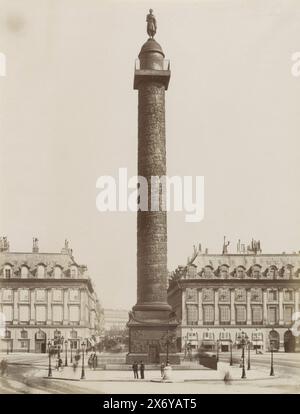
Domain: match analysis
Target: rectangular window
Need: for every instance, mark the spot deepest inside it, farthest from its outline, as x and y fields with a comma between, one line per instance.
x=256, y=295
x=240, y=295
x=208, y=295
x=7, y=295
x=287, y=314
x=272, y=295
x=24, y=295
x=40, y=295
x=257, y=315
x=8, y=312
x=257, y=336
x=57, y=295
x=241, y=315
x=224, y=295
x=191, y=295
x=74, y=295
x=40, y=312
x=288, y=295
x=272, y=314
x=208, y=336
x=224, y=314
x=74, y=313
x=24, y=313
x=57, y=313
x=208, y=315
x=192, y=315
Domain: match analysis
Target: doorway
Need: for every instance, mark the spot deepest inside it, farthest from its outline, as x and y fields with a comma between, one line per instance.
x=289, y=341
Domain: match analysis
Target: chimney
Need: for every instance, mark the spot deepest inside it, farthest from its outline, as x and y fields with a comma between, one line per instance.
x=35, y=245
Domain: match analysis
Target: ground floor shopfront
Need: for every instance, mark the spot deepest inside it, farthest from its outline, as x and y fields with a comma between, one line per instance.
x=224, y=338
x=36, y=339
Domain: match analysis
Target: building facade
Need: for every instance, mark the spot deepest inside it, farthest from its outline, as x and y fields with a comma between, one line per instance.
x=217, y=297
x=115, y=319
x=45, y=297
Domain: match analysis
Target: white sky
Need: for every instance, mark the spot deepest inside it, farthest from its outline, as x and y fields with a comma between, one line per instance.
x=68, y=114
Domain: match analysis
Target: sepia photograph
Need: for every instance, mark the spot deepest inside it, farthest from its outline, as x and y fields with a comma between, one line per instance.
x=149, y=187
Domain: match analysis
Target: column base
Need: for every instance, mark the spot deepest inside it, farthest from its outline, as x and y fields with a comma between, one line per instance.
x=151, y=332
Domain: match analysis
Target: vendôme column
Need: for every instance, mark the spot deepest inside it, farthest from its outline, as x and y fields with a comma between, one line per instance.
x=152, y=324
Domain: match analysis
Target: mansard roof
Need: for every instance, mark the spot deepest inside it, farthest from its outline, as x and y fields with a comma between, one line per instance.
x=32, y=260
x=245, y=260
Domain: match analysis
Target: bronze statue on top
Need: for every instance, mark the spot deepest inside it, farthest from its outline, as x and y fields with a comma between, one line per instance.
x=151, y=24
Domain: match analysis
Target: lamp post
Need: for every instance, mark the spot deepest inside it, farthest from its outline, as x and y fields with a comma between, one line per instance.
x=217, y=350
x=249, y=363
x=66, y=351
x=231, y=360
x=82, y=368
x=272, y=362
x=49, y=367
x=243, y=343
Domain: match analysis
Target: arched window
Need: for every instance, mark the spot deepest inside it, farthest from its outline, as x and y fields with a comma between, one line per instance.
x=41, y=271
x=57, y=272
x=24, y=272
x=7, y=271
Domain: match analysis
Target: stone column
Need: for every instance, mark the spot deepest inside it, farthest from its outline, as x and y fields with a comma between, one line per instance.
x=216, y=306
x=249, y=316
x=280, y=306
x=49, y=307
x=183, y=308
x=200, y=309
x=16, y=308
x=232, y=307
x=32, y=308
x=296, y=298
x=66, y=309
x=265, y=308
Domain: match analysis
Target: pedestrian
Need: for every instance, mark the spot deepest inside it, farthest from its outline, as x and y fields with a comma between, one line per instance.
x=75, y=365
x=162, y=369
x=135, y=370
x=3, y=367
x=142, y=369
x=227, y=378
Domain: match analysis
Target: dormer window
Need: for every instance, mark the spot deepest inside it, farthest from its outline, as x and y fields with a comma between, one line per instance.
x=57, y=272
x=24, y=272
x=41, y=271
x=7, y=272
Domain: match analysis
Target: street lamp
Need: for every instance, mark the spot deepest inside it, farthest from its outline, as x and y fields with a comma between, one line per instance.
x=66, y=351
x=82, y=368
x=217, y=350
x=249, y=363
x=49, y=367
x=231, y=360
x=243, y=343
x=272, y=363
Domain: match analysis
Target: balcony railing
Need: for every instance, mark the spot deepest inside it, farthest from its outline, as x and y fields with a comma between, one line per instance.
x=165, y=62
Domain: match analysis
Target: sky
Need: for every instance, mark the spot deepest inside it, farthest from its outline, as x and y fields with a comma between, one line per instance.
x=68, y=115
